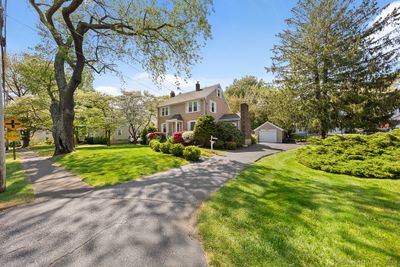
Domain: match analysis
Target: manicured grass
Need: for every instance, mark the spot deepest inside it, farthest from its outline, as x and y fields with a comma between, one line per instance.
x=281, y=213
x=43, y=150
x=207, y=152
x=102, y=165
x=18, y=190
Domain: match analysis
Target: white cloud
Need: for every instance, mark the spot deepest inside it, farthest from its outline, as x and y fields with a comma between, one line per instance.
x=142, y=81
x=110, y=90
x=170, y=82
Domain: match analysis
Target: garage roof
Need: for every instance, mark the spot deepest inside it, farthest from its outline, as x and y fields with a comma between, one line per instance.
x=270, y=123
x=229, y=116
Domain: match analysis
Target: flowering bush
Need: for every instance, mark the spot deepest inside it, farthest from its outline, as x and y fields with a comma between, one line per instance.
x=178, y=138
x=151, y=136
x=188, y=137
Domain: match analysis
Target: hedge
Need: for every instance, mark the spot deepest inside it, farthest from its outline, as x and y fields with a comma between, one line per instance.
x=371, y=156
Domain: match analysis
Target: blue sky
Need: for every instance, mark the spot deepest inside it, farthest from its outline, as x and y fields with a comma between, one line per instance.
x=243, y=35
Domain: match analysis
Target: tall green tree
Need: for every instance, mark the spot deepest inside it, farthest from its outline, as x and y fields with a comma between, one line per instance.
x=159, y=35
x=241, y=87
x=283, y=109
x=252, y=91
x=33, y=112
x=96, y=112
x=31, y=89
x=336, y=56
x=138, y=110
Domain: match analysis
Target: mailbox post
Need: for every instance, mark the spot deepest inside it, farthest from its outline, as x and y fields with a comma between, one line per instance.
x=212, y=141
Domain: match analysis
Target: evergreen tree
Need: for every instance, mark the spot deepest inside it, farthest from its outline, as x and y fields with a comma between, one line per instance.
x=340, y=62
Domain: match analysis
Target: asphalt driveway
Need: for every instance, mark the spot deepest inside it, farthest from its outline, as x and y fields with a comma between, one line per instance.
x=140, y=223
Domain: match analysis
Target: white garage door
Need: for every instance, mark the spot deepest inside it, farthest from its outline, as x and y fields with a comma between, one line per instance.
x=269, y=136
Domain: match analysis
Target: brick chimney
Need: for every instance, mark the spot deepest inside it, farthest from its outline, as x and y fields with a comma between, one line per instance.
x=245, y=126
x=172, y=94
x=198, y=86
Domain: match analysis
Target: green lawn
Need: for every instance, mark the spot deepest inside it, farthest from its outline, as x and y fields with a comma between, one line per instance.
x=18, y=188
x=102, y=165
x=207, y=152
x=43, y=150
x=281, y=213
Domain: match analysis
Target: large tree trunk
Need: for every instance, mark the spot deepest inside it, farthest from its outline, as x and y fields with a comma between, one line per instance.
x=108, y=137
x=63, y=130
x=62, y=111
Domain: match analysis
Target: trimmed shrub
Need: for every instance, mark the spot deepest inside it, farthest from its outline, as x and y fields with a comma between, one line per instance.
x=188, y=137
x=253, y=139
x=178, y=138
x=100, y=140
x=170, y=140
x=192, y=153
x=49, y=141
x=371, y=156
x=155, y=145
x=177, y=150
x=151, y=136
x=96, y=140
x=231, y=145
x=204, y=128
x=228, y=132
x=164, y=147
x=219, y=144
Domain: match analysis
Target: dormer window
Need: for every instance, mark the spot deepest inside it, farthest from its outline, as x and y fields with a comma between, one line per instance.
x=164, y=111
x=192, y=106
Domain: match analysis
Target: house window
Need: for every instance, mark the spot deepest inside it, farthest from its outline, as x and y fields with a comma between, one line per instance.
x=213, y=106
x=164, y=111
x=178, y=127
x=191, y=125
x=192, y=106
x=164, y=127
x=219, y=94
x=119, y=132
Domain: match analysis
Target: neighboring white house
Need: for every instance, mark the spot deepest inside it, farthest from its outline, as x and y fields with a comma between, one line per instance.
x=40, y=137
x=119, y=136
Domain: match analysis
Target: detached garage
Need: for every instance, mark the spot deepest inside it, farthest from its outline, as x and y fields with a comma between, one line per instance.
x=269, y=133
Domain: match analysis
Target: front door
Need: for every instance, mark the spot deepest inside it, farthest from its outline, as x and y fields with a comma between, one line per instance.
x=179, y=126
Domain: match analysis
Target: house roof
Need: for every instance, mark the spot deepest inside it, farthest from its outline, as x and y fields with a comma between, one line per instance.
x=229, y=117
x=176, y=117
x=270, y=123
x=180, y=98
